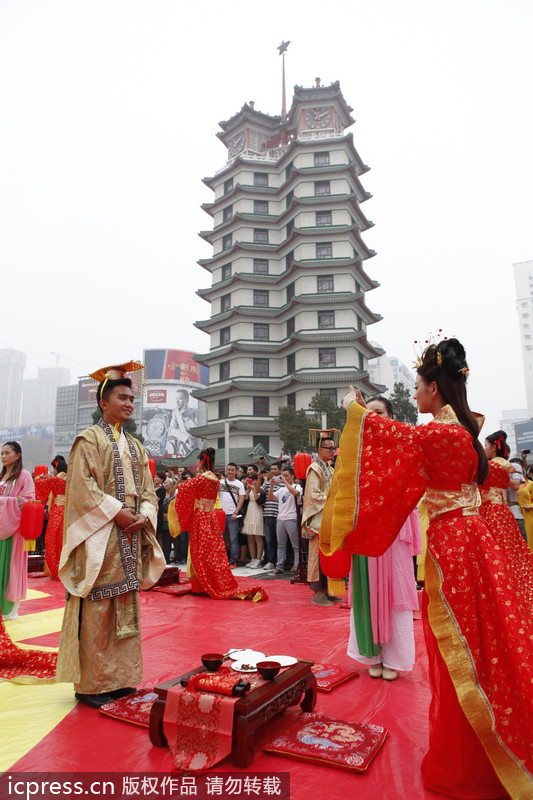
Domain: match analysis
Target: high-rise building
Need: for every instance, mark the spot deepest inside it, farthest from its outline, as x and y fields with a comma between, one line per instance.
x=508, y=423
x=288, y=295
x=523, y=275
x=39, y=395
x=12, y=364
x=388, y=370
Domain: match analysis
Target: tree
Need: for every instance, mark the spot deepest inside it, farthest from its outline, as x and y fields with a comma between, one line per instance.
x=336, y=415
x=294, y=429
x=130, y=426
x=404, y=409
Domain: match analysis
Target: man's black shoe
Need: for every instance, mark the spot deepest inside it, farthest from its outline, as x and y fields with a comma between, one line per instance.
x=93, y=700
x=116, y=693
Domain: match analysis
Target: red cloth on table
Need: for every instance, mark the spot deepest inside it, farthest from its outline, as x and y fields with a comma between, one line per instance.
x=198, y=727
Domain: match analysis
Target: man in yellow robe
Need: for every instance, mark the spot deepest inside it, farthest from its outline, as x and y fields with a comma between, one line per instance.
x=317, y=483
x=110, y=550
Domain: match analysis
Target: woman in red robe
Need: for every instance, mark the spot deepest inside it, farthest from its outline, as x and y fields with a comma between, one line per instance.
x=53, y=538
x=498, y=515
x=195, y=509
x=478, y=627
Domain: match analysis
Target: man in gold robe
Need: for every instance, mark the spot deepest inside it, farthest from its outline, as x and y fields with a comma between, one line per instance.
x=317, y=483
x=110, y=550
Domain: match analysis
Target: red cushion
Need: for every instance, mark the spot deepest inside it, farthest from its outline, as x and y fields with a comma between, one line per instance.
x=134, y=708
x=331, y=742
x=328, y=677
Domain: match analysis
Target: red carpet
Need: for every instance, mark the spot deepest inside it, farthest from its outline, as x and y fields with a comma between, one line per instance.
x=177, y=630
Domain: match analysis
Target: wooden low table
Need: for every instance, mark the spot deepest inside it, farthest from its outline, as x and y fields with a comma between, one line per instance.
x=251, y=711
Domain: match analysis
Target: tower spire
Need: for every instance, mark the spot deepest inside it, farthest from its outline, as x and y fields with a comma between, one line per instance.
x=282, y=49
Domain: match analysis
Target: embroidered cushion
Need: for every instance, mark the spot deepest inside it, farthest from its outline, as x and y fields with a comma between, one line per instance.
x=328, y=677
x=331, y=742
x=134, y=708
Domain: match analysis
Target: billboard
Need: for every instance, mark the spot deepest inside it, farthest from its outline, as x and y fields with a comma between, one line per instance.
x=169, y=414
x=87, y=387
x=524, y=435
x=87, y=391
x=25, y=431
x=177, y=365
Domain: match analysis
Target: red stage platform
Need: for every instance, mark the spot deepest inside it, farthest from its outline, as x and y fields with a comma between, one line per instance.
x=176, y=630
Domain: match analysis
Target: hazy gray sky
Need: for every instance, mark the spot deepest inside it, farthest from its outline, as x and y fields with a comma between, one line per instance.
x=108, y=116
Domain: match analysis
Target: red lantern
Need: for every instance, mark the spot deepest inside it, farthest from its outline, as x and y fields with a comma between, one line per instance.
x=221, y=519
x=31, y=520
x=337, y=565
x=151, y=464
x=40, y=469
x=301, y=465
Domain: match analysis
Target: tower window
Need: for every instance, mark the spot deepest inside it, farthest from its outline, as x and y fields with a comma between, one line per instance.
x=227, y=213
x=227, y=241
x=223, y=408
x=326, y=319
x=228, y=185
x=290, y=326
x=224, y=371
x=260, y=178
x=224, y=335
x=261, y=266
x=321, y=159
x=260, y=368
x=331, y=393
x=322, y=187
x=226, y=271
x=225, y=302
x=326, y=357
x=324, y=283
x=261, y=331
x=324, y=250
x=260, y=298
x=260, y=236
x=261, y=407
x=291, y=363
x=323, y=218
x=260, y=207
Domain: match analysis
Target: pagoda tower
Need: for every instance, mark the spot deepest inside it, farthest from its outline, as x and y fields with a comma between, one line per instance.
x=288, y=295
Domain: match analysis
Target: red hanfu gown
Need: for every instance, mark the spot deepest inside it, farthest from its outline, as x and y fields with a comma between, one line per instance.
x=195, y=507
x=500, y=519
x=479, y=629
x=25, y=665
x=53, y=538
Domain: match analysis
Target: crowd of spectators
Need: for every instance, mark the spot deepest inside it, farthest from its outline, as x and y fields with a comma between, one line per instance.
x=260, y=504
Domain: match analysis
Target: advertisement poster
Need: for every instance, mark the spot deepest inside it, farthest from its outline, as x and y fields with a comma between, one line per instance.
x=524, y=435
x=169, y=414
x=176, y=365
